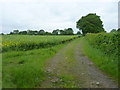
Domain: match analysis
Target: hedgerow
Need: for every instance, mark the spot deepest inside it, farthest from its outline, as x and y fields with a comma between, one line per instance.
x=108, y=43
x=107, y=58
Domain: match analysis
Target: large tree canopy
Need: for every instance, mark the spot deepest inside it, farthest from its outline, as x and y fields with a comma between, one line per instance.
x=90, y=23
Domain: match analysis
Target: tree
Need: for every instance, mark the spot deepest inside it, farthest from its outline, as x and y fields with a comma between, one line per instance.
x=23, y=32
x=47, y=33
x=41, y=32
x=15, y=31
x=68, y=31
x=118, y=30
x=35, y=32
x=11, y=33
x=113, y=31
x=90, y=23
x=62, y=32
x=55, y=32
x=78, y=33
x=30, y=32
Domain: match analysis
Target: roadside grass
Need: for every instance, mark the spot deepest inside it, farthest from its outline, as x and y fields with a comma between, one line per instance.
x=108, y=64
x=25, y=69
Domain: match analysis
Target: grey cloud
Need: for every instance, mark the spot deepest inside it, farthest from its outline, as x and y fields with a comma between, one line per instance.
x=52, y=15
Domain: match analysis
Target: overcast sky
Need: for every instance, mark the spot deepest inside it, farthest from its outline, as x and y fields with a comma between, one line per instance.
x=54, y=14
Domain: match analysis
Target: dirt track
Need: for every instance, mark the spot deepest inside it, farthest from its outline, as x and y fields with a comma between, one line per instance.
x=71, y=61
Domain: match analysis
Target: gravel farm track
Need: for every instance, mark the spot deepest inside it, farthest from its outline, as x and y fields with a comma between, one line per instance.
x=70, y=61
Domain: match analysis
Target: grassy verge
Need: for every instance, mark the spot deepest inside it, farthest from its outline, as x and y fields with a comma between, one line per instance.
x=109, y=65
x=24, y=69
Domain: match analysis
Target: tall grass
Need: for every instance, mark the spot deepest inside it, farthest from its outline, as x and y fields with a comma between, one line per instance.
x=108, y=64
x=25, y=69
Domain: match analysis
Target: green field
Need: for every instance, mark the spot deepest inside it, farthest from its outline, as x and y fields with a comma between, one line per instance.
x=28, y=42
x=22, y=68
x=24, y=56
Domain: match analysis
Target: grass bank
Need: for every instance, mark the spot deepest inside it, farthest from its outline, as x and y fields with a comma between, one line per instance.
x=108, y=64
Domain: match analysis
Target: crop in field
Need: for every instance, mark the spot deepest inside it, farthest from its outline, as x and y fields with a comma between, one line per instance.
x=28, y=42
x=26, y=68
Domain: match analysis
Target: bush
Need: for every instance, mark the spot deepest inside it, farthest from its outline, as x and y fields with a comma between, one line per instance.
x=108, y=43
x=104, y=52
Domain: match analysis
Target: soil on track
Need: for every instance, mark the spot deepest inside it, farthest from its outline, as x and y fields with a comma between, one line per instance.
x=72, y=62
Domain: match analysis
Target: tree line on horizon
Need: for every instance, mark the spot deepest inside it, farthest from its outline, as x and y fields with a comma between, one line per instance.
x=90, y=23
x=68, y=31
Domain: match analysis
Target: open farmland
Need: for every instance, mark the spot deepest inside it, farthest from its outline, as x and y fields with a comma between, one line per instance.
x=24, y=56
x=30, y=61
x=60, y=44
x=28, y=42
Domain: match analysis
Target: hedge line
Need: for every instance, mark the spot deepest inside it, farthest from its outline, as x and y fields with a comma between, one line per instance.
x=108, y=43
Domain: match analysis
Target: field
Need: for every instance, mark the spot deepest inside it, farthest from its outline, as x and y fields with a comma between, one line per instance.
x=34, y=61
x=23, y=67
x=28, y=42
